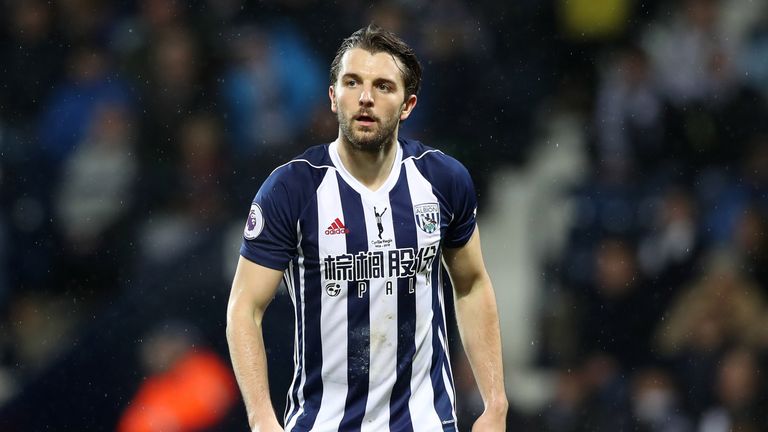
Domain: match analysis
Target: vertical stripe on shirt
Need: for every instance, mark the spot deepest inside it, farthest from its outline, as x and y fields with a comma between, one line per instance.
x=443, y=401
x=333, y=310
x=309, y=291
x=383, y=317
x=357, y=304
x=400, y=419
x=292, y=398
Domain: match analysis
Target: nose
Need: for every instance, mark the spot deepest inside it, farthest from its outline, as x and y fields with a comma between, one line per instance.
x=366, y=97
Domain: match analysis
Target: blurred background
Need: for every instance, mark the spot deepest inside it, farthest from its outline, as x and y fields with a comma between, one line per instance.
x=619, y=149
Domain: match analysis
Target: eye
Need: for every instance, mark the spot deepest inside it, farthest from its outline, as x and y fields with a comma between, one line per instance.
x=350, y=82
x=384, y=87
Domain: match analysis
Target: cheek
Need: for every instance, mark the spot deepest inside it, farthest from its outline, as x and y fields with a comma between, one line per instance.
x=344, y=100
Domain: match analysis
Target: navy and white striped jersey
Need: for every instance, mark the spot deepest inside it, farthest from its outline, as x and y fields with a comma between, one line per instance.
x=363, y=270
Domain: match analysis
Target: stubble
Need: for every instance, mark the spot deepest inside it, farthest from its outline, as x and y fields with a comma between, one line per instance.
x=366, y=141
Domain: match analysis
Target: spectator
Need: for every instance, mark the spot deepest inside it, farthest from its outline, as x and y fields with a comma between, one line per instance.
x=33, y=57
x=721, y=307
x=194, y=197
x=655, y=403
x=70, y=110
x=202, y=189
x=189, y=388
x=738, y=395
x=752, y=61
x=618, y=308
x=688, y=52
x=84, y=21
x=96, y=186
x=751, y=245
x=270, y=89
x=173, y=88
x=727, y=196
x=712, y=111
x=629, y=117
x=590, y=396
x=669, y=249
x=567, y=412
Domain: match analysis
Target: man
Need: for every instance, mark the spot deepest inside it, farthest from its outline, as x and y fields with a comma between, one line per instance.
x=379, y=224
x=370, y=347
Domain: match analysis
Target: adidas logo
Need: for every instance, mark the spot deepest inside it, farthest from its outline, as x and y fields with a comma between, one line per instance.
x=337, y=227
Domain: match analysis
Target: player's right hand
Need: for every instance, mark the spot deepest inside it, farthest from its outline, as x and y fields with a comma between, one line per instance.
x=490, y=422
x=271, y=426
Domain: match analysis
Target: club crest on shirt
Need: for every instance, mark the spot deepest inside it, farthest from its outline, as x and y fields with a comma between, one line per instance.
x=255, y=222
x=427, y=216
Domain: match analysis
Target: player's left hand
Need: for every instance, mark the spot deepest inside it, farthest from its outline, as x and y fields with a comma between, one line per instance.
x=491, y=422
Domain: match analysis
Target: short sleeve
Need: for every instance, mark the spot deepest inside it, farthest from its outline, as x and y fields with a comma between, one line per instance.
x=269, y=237
x=464, y=208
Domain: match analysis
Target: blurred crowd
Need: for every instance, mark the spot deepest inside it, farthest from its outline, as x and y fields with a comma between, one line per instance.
x=656, y=316
x=133, y=136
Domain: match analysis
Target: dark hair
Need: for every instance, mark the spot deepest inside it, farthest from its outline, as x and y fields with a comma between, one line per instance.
x=374, y=40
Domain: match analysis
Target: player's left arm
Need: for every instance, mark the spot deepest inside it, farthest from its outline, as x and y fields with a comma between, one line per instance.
x=478, y=322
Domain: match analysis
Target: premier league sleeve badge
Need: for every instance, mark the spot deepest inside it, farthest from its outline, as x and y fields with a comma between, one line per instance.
x=255, y=222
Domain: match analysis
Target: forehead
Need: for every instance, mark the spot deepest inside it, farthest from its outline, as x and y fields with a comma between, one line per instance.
x=371, y=66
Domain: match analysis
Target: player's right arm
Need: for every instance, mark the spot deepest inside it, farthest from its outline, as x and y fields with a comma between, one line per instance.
x=253, y=288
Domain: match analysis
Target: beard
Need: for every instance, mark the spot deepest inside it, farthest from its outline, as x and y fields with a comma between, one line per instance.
x=368, y=141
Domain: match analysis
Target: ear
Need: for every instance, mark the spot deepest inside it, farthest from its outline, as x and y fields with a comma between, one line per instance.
x=408, y=107
x=332, y=96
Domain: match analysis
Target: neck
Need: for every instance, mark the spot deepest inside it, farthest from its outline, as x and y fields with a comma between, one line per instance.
x=371, y=168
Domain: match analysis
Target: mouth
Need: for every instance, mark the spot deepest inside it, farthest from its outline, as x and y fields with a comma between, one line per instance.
x=365, y=120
